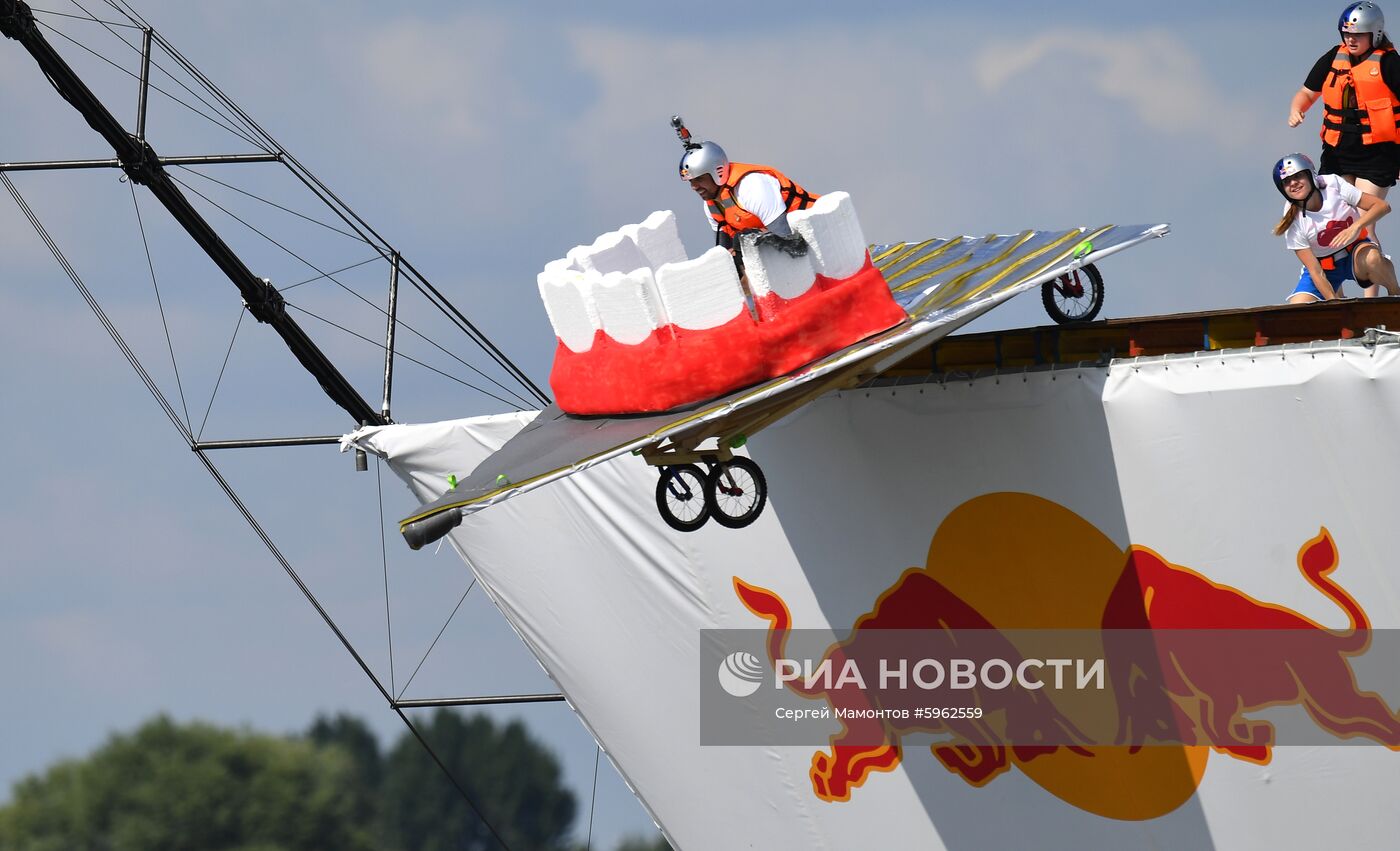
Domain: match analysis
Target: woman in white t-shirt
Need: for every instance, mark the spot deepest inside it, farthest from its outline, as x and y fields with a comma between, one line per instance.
x=1325, y=225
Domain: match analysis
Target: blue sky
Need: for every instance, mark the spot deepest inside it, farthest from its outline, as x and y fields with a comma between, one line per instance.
x=484, y=141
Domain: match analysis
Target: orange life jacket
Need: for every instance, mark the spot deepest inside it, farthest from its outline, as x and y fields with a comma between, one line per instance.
x=731, y=219
x=1357, y=100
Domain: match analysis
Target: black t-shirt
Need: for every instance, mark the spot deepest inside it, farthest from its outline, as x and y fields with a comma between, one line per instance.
x=1390, y=70
x=1317, y=78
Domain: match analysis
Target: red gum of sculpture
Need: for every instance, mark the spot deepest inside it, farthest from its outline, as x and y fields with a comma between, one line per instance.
x=676, y=367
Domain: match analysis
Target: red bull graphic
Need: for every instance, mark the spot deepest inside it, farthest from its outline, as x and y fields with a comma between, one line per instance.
x=1162, y=629
x=1291, y=659
x=874, y=720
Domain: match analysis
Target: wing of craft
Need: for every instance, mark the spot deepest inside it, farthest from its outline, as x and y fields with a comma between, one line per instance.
x=942, y=284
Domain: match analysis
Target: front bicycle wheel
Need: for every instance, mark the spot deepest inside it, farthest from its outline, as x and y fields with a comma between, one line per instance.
x=736, y=492
x=680, y=497
x=1076, y=296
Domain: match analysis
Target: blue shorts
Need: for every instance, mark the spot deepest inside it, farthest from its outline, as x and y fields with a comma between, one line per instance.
x=1340, y=273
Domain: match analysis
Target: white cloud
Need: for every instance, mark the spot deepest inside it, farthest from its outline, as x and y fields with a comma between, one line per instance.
x=88, y=648
x=933, y=136
x=452, y=80
x=1156, y=74
x=828, y=123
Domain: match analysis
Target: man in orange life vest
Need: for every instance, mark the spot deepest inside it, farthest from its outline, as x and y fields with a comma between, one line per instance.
x=1357, y=83
x=739, y=197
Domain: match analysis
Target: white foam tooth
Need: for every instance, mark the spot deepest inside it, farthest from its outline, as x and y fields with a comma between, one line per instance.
x=701, y=293
x=629, y=305
x=563, y=264
x=658, y=239
x=835, y=242
x=773, y=270
x=614, y=251
x=568, y=300
x=574, y=259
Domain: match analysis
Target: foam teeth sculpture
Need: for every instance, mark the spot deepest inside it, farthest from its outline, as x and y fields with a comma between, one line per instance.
x=643, y=329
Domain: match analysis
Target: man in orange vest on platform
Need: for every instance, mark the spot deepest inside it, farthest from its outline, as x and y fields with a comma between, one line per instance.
x=739, y=197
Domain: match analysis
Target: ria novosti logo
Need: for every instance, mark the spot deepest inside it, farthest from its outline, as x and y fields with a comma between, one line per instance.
x=741, y=673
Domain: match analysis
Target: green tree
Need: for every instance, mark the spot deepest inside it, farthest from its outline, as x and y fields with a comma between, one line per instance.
x=514, y=781
x=169, y=786
x=179, y=786
x=356, y=739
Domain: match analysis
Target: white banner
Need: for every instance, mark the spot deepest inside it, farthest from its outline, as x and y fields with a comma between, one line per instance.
x=1019, y=498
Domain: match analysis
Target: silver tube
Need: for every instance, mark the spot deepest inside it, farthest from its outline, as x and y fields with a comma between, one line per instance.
x=264, y=443
x=389, y=342
x=56, y=165
x=478, y=701
x=213, y=159
x=145, y=84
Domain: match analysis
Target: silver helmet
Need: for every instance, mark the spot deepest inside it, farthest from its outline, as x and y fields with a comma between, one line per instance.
x=1364, y=17
x=705, y=158
x=1290, y=165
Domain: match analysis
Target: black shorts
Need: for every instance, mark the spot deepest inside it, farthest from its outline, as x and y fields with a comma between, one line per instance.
x=1376, y=163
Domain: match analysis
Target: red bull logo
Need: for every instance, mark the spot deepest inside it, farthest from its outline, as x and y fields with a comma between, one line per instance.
x=1160, y=627
x=1292, y=660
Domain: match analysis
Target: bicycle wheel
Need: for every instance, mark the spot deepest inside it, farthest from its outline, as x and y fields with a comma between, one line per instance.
x=680, y=497
x=736, y=492
x=1075, y=296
